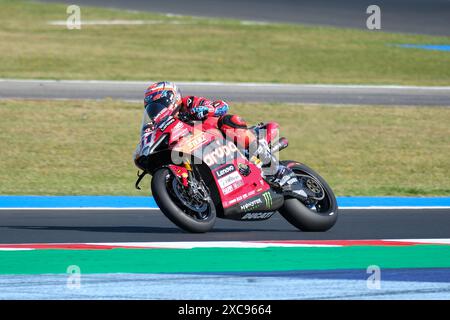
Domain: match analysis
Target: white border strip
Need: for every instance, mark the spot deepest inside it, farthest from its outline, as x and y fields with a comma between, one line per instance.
x=392, y=207
x=211, y=244
x=423, y=241
x=238, y=84
x=81, y=208
x=154, y=208
x=122, y=22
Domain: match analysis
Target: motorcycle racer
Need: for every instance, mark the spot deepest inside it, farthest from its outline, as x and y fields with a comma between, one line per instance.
x=164, y=98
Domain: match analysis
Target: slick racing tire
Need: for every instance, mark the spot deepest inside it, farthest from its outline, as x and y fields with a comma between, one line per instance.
x=319, y=217
x=173, y=206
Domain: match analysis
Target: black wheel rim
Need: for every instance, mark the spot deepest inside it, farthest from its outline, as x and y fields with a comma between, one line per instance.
x=321, y=206
x=192, y=208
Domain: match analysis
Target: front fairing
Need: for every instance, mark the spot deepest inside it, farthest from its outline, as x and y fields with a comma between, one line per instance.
x=151, y=137
x=159, y=136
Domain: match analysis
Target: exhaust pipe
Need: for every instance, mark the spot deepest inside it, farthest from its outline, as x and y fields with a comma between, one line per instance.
x=280, y=145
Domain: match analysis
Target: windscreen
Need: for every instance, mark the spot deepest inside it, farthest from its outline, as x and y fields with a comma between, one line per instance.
x=151, y=112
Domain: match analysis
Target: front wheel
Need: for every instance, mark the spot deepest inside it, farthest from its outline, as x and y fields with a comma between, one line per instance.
x=319, y=214
x=179, y=206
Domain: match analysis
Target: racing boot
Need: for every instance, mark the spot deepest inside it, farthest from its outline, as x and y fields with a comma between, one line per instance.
x=279, y=176
x=261, y=154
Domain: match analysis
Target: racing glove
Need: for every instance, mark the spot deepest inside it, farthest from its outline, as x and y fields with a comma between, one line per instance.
x=199, y=112
x=220, y=108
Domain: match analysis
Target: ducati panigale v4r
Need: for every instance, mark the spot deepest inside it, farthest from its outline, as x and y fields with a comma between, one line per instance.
x=199, y=175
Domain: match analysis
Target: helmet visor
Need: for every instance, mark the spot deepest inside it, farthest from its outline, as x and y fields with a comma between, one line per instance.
x=156, y=108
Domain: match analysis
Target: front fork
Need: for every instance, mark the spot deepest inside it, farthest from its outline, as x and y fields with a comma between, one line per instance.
x=182, y=173
x=185, y=175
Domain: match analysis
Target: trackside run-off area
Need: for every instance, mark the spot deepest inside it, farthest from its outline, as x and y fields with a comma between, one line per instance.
x=408, y=269
x=216, y=269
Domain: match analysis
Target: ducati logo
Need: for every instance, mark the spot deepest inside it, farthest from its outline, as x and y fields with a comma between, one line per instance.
x=257, y=215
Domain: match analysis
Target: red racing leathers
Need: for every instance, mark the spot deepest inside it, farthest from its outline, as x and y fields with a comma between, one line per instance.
x=232, y=126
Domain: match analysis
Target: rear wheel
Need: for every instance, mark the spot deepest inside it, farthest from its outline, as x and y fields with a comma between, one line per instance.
x=180, y=206
x=320, y=211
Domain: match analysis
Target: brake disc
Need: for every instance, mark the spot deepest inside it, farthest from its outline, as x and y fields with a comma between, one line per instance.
x=186, y=200
x=313, y=187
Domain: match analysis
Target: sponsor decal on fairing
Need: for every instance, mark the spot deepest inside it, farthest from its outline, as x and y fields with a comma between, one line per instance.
x=230, y=179
x=257, y=215
x=268, y=199
x=251, y=205
x=224, y=171
x=241, y=197
x=166, y=123
x=187, y=145
x=219, y=154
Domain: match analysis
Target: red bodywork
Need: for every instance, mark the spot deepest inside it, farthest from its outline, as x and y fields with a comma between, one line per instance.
x=206, y=142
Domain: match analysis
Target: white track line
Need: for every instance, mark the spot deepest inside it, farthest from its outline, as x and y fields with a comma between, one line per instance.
x=393, y=208
x=427, y=241
x=81, y=209
x=237, y=84
x=149, y=22
x=210, y=244
x=153, y=208
x=121, y=22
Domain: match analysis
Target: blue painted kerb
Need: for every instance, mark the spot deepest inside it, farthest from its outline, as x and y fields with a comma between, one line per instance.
x=75, y=201
x=139, y=202
x=436, y=47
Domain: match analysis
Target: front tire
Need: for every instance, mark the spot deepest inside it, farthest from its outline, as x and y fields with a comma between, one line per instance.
x=320, y=218
x=172, y=206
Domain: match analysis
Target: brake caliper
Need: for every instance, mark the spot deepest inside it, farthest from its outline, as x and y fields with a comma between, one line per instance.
x=180, y=173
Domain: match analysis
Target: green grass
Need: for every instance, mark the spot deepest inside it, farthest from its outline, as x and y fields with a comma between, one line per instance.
x=85, y=147
x=206, y=49
x=223, y=259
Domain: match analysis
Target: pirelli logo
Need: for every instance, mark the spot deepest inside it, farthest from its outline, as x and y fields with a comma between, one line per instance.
x=268, y=199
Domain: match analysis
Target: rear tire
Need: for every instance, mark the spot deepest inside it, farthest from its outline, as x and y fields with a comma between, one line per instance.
x=302, y=217
x=174, y=210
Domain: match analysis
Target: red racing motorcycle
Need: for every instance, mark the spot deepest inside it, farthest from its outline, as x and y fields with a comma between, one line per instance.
x=199, y=175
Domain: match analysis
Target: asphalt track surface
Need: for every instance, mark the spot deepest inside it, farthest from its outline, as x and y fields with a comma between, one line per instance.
x=232, y=92
x=406, y=16
x=74, y=226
